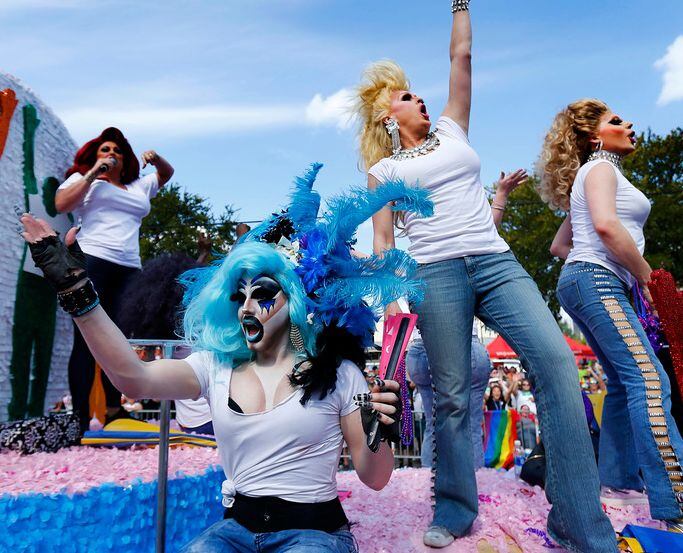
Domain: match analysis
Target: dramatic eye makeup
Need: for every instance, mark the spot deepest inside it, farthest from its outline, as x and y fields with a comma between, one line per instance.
x=616, y=121
x=116, y=149
x=407, y=96
x=263, y=289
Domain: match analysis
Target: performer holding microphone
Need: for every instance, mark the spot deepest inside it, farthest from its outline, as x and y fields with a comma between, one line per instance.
x=105, y=192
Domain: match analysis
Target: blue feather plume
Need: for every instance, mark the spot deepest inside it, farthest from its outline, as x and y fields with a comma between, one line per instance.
x=347, y=212
x=304, y=202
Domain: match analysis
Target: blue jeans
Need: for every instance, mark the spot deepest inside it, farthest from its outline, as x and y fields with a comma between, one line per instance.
x=496, y=289
x=417, y=366
x=228, y=536
x=638, y=432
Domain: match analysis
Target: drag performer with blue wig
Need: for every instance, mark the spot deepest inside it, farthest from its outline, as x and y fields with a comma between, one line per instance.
x=278, y=329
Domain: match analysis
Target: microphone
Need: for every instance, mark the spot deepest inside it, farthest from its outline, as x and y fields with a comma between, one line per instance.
x=111, y=162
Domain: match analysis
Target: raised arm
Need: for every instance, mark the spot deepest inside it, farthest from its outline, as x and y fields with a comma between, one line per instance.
x=563, y=243
x=601, y=195
x=460, y=83
x=165, y=379
x=164, y=168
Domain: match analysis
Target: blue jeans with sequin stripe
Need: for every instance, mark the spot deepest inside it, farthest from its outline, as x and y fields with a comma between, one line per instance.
x=496, y=289
x=638, y=432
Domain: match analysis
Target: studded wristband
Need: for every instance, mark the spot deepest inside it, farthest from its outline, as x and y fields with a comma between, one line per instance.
x=460, y=5
x=79, y=301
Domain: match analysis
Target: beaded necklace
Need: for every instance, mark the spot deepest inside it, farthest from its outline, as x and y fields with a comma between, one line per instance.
x=609, y=156
x=430, y=144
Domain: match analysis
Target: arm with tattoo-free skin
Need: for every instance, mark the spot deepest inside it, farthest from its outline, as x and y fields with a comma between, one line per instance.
x=164, y=168
x=601, y=195
x=563, y=241
x=373, y=469
x=505, y=186
x=383, y=237
x=460, y=80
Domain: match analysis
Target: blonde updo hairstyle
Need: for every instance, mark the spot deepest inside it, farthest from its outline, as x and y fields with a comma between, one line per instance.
x=566, y=147
x=373, y=106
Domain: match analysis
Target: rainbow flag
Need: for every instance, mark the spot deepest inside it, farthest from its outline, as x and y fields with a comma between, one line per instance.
x=500, y=433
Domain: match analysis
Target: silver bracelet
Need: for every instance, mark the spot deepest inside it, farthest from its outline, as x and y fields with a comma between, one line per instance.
x=460, y=5
x=496, y=206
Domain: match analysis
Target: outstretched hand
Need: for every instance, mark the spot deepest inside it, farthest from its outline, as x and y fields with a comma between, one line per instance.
x=510, y=182
x=37, y=229
x=63, y=265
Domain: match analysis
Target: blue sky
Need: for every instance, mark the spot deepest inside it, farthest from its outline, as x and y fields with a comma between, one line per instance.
x=241, y=96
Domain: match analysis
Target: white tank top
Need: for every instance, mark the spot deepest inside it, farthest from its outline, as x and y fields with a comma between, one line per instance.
x=633, y=208
x=462, y=223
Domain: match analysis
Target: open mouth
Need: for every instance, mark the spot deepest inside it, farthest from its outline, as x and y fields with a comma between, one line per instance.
x=632, y=137
x=252, y=328
x=423, y=110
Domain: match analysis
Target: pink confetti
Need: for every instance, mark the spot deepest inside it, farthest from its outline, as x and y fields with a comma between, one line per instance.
x=507, y=507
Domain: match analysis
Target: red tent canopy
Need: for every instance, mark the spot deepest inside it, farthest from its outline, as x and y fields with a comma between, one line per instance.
x=499, y=349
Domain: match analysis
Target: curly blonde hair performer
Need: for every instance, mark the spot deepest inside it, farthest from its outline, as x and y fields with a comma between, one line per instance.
x=373, y=107
x=602, y=286
x=468, y=270
x=567, y=146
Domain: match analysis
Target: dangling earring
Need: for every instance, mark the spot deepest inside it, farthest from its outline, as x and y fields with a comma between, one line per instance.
x=392, y=128
x=599, y=146
x=296, y=338
x=300, y=354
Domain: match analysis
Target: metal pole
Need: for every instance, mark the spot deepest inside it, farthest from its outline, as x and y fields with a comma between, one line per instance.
x=163, y=475
x=162, y=479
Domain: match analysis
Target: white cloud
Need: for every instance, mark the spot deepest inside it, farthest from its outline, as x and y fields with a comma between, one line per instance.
x=334, y=110
x=672, y=66
x=181, y=121
x=143, y=115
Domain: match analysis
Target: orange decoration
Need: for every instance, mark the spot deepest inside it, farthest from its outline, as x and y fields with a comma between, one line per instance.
x=8, y=101
x=97, y=400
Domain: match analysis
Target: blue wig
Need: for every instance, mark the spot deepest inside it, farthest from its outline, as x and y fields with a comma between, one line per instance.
x=210, y=320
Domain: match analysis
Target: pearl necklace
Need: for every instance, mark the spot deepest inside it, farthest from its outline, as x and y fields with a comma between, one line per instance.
x=430, y=144
x=613, y=158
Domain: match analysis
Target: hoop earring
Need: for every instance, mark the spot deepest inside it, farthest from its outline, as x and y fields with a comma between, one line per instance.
x=392, y=128
x=599, y=146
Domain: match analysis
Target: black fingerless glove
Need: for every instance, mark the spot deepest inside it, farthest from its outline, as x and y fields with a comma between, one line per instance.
x=63, y=268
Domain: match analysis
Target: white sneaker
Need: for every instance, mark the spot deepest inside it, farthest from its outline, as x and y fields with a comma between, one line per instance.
x=437, y=536
x=614, y=497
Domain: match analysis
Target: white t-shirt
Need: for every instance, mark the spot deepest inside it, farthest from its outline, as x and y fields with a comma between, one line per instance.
x=111, y=218
x=462, y=223
x=290, y=451
x=633, y=209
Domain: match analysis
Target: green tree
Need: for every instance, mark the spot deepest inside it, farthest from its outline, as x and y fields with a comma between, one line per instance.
x=175, y=221
x=656, y=168
x=529, y=227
